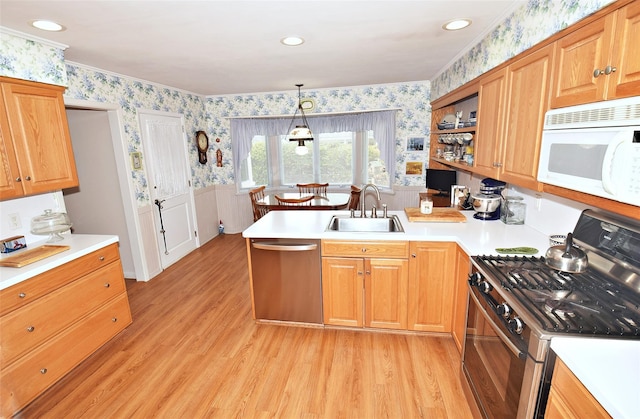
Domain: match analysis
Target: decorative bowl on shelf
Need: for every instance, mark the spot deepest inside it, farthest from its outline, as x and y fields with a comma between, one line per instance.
x=52, y=224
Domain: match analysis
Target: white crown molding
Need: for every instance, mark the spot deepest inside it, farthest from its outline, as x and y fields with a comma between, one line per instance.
x=32, y=38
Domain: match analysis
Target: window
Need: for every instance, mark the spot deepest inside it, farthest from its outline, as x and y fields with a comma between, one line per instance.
x=337, y=156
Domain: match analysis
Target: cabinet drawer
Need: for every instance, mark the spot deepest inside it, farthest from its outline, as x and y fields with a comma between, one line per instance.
x=27, y=291
x=28, y=326
x=387, y=249
x=31, y=375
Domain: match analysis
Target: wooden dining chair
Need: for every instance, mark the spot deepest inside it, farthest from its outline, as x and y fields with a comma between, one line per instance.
x=313, y=188
x=305, y=200
x=354, y=199
x=256, y=195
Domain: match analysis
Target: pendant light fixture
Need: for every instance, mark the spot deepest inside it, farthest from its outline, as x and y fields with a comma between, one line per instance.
x=300, y=133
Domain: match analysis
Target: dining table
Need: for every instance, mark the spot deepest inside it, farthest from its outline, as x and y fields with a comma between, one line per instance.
x=329, y=201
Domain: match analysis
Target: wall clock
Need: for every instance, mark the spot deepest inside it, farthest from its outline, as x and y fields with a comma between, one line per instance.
x=202, y=142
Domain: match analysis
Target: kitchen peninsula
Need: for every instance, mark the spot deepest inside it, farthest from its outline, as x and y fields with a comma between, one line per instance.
x=473, y=237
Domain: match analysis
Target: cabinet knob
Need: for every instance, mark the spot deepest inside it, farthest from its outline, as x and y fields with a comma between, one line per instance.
x=359, y=272
x=597, y=72
x=497, y=164
x=30, y=329
x=107, y=285
x=608, y=70
x=22, y=295
x=18, y=179
x=43, y=371
x=101, y=258
x=368, y=272
x=364, y=249
x=413, y=255
x=27, y=178
x=114, y=319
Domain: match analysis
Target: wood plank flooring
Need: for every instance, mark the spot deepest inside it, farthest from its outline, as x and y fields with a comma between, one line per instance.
x=194, y=351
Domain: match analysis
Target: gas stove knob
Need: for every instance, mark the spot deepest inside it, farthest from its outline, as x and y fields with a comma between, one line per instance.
x=485, y=287
x=504, y=310
x=516, y=325
x=475, y=278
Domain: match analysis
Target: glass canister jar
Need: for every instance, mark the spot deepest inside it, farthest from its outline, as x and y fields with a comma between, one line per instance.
x=513, y=210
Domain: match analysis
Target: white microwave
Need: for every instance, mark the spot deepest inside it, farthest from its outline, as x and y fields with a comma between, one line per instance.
x=594, y=148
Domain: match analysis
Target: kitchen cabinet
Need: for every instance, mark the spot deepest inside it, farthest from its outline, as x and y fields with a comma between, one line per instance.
x=460, y=297
x=364, y=283
x=568, y=398
x=36, y=147
x=431, y=286
x=53, y=321
x=511, y=107
x=599, y=61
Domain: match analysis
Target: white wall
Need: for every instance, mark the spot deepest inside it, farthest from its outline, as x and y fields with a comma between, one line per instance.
x=95, y=207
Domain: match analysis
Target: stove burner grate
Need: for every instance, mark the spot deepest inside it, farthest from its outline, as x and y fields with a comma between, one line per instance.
x=586, y=303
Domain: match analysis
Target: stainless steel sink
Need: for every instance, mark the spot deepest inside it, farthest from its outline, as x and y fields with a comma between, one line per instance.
x=373, y=225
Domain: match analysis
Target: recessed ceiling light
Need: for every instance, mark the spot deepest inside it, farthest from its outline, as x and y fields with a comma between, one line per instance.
x=47, y=25
x=292, y=41
x=454, y=25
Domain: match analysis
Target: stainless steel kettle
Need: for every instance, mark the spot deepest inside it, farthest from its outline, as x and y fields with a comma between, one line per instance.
x=566, y=257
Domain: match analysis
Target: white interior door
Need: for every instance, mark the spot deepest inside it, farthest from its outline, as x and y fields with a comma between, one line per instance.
x=167, y=164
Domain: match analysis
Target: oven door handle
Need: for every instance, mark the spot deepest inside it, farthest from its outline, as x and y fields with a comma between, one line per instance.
x=520, y=354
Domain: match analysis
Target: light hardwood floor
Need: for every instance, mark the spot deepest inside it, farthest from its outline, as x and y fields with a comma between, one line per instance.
x=194, y=351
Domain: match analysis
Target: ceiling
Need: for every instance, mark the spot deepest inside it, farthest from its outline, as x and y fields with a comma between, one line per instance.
x=214, y=47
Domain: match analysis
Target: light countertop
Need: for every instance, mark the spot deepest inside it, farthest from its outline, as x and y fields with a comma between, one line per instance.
x=80, y=245
x=476, y=237
x=608, y=368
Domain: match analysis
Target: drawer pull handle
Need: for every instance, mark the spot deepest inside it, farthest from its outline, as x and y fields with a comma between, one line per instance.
x=107, y=285
x=22, y=295
x=30, y=329
x=101, y=258
x=364, y=249
x=114, y=319
x=43, y=371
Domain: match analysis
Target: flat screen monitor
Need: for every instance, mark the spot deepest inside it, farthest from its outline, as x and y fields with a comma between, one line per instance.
x=441, y=180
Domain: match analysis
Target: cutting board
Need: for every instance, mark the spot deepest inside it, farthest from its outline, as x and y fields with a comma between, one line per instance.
x=438, y=215
x=26, y=257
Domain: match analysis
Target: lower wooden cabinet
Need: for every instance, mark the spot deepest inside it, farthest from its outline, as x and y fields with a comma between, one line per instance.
x=460, y=297
x=364, y=284
x=431, y=286
x=568, y=397
x=52, y=322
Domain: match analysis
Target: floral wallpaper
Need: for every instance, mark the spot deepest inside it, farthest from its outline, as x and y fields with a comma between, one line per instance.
x=133, y=95
x=30, y=60
x=528, y=25
x=412, y=120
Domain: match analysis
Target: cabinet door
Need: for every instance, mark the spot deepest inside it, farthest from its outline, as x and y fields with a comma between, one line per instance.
x=10, y=186
x=385, y=285
x=578, y=55
x=625, y=81
x=342, y=291
x=431, y=285
x=461, y=297
x=489, y=131
x=38, y=125
x=528, y=87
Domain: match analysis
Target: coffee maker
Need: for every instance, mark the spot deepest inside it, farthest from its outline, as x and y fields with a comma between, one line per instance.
x=489, y=200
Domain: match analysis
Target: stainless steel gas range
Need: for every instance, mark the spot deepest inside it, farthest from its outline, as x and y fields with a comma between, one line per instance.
x=517, y=304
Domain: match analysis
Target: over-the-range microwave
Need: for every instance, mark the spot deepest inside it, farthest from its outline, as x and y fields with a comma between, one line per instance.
x=594, y=148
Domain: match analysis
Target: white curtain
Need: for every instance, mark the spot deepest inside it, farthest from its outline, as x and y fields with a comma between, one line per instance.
x=382, y=123
x=169, y=168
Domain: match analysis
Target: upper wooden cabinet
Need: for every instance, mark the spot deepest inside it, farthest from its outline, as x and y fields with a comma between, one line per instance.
x=511, y=107
x=600, y=60
x=36, y=147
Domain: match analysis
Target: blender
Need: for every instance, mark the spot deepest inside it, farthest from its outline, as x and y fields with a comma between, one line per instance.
x=487, y=202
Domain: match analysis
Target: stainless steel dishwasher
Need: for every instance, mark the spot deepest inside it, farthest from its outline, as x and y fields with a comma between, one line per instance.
x=286, y=279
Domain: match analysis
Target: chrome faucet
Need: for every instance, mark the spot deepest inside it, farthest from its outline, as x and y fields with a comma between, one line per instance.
x=364, y=190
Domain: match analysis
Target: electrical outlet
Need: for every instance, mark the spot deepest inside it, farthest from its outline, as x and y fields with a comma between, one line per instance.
x=14, y=221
